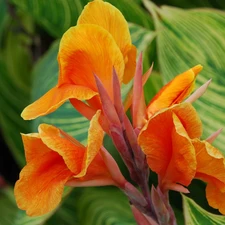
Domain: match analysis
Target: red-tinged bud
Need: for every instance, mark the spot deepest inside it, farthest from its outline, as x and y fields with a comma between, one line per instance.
x=213, y=136
x=107, y=105
x=136, y=198
x=198, y=93
x=142, y=219
x=113, y=168
x=138, y=101
x=160, y=207
x=117, y=96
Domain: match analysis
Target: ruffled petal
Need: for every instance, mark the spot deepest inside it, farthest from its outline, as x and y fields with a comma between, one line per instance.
x=189, y=119
x=54, y=98
x=110, y=18
x=168, y=148
x=175, y=91
x=210, y=163
x=40, y=187
x=33, y=146
x=130, y=64
x=86, y=50
x=71, y=153
x=215, y=197
x=95, y=139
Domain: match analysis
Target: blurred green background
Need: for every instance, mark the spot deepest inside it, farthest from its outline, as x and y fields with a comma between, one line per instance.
x=174, y=34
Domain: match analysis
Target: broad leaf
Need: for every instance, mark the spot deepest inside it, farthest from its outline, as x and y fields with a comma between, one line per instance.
x=56, y=16
x=8, y=206
x=103, y=205
x=195, y=215
x=15, y=63
x=186, y=38
x=133, y=12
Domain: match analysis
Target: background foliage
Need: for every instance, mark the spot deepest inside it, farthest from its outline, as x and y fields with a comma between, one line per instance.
x=175, y=35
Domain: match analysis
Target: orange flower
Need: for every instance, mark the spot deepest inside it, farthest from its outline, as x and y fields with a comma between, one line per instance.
x=165, y=140
x=55, y=159
x=174, y=151
x=175, y=91
x=99, y=42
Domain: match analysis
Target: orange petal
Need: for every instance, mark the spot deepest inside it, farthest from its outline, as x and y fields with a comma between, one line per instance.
x=189, y=119
x=210, y=164
x=40, y=187
x=111, y=19
x=168, y=148
x=95, y=139
x=86, y=50
x=54, y=98
x=215, y=197
x=33, y=146
x=175, y=91
x=71, y=153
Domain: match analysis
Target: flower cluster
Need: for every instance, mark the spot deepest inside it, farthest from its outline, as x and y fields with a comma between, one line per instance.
x=95, y=57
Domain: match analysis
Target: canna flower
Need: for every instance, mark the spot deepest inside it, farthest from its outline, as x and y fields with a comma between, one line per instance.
x=100, y=42
x=54, y=160
x=171, y=142
x=166, y=142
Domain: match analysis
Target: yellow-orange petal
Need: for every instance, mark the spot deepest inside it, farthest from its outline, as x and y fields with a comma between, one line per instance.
x=71, y=153
x=189, y=119
x=95, y=139
x=210, y=164
x=130, y=64
x=86, y=50
x=168, y=148
x=40, y=187
x=215, y=198
x=111, y=19
x=54, y=98
x=33, y=146
x=175, y=91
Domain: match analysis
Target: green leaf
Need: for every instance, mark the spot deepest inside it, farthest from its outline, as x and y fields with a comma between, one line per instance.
x=195, y=215
x=143, y=38
x=8, y=208
x=56, y=16
x=186, y=38
x=15, y=63
x=103, y=205
x=4, y=17
x=133, y=12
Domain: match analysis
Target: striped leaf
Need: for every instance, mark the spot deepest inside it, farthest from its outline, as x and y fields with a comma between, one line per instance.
x=15, y=63
x=189, y=37
x=8, y=208
x=103, y=205
x=56, y=16
x=194, y=214
x=133, y=12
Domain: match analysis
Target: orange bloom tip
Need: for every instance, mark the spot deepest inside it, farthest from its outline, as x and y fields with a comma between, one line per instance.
x=175, y=91
x=197, y=69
